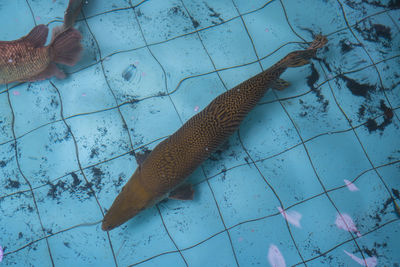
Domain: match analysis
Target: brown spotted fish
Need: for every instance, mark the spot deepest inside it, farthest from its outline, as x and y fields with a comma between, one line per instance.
x=28, y=59
x=174, y=159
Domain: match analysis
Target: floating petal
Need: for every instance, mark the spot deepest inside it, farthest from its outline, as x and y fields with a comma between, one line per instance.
x=368, y=262
x=350, y=185
x=275, y=257
x=292, y=217
x=345, y=222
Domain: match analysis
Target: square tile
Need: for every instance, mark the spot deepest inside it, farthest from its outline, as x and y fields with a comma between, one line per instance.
x=189, y=51
x=140, y=238
x=21, y=24
x=80, y=95
x=72, y=247
x=316, y=113
x=111, y=36
x=11, y=180
x=379, y=138
x=252, y=241
x=369, y=207
x=196, y=94
x=167, y=16
x=267, y=130
x=46, y=11
x=208, y=13
x=36, y=254
x=389, y=174
x=343, y=54
x=394, y=15
x=291, y=176
x=268, y=29
x=150, y=119
x=47, y=153
x=359, y=9
x=383, y=244
x=190, y=222
x=34, y=105
x=228, y=44
x=197, y=256
x=134, y=75
x=242, y=194
x=379, y=35
x=58, y=201
x=337, y=257
x=100, y=136
x=316, y=17
x=20, y=223
x=359, y=95
x=109, y=177
x=337, y=157
x=236, y=75
x=318, y=232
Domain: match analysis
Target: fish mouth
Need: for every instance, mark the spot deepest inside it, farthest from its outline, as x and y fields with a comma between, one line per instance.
x=105, y=226
x=117, y=216
x=115, y=219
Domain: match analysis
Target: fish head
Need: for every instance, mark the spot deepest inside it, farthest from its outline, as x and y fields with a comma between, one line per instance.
x=133, y=198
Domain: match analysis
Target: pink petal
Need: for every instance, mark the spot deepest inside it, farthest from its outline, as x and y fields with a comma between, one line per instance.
x=15, y=92
x=83, y=94
x=143, y=74
x=350, y=185
x=368, y=262
x=292, y=217
x=346, y=223
x=1, y=253
x=275, y=257
x=196, y=108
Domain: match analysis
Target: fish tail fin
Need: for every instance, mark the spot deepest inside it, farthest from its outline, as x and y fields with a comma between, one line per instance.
x=302, y=57
x=66, y=46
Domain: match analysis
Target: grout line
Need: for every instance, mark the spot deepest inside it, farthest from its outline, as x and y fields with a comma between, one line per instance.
x=169, y=235
x=25, y=178
x=382, y=88
x=247, y=152
x=80, y=167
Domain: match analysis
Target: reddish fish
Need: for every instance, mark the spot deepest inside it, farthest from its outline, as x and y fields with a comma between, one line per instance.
x=27, y=59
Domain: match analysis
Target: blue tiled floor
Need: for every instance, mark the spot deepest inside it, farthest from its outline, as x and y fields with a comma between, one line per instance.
x=66, y=146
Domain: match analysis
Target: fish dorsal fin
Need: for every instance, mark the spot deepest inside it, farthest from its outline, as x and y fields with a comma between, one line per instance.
x=38, y=36
x=141, y=156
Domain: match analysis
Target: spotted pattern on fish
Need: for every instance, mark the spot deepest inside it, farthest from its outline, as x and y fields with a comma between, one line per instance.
x=174, y=159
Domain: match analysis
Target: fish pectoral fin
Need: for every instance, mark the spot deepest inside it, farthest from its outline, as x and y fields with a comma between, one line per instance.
x=280, y=84
x=183, y=192
x=141, y=156
x=37, y=36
